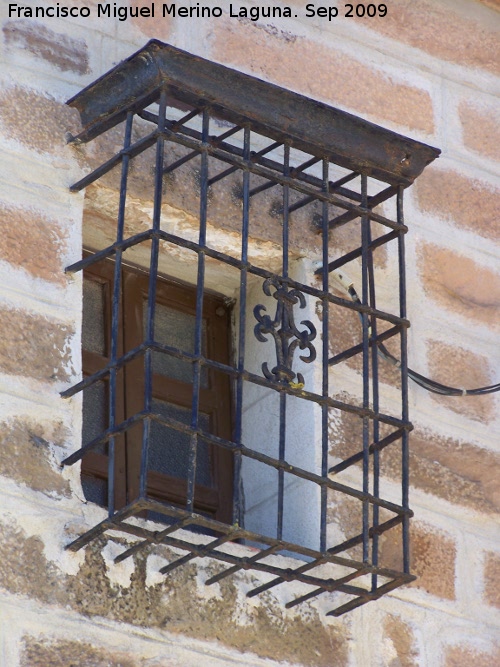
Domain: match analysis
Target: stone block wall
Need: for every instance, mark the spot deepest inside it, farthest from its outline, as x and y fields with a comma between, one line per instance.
x=428, y=69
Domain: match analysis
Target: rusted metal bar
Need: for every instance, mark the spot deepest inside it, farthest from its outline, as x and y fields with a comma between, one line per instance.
x=313, y=127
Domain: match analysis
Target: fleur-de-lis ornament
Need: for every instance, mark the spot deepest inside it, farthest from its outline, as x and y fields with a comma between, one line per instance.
x=284, y=331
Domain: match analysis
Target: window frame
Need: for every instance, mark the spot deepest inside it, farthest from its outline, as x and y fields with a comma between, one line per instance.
x=215, y=398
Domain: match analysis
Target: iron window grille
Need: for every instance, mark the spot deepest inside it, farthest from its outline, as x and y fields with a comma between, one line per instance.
x=317, y=159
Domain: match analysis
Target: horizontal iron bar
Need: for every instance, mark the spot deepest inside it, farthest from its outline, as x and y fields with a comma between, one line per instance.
x=378, y=446
x=288, y=575
x=245, y=564
x=386, y=588
x=103, y=438
x=356, y=349
x=132, y=529
x=338, y=583
x=294, y=171
x=100, y=528
x=286, y=547
x=373, y=201
x=202, y=552
x=262, y=188
x=333, y=550
x=354, y=254
x=382, y=196
x=178, y=163
x=299, y=176
x=227, y=154
x=374, y=530
x=256, y=379
x=116, y=523
x=279, y=464
x=332, y=187
x=108, y=252
x=180, y=523
x=253, y=157
x=343, y=588
x=251, y=377
x=133, y=150
x=232, y=261
x=307, y=289
x=301, y=203
x=213, y=140
x=178, y=124
x=104, y=372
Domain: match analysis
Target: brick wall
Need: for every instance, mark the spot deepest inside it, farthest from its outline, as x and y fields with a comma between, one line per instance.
x=429, y=69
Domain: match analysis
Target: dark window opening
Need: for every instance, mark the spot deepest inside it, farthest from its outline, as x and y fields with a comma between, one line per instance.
x=172, y=380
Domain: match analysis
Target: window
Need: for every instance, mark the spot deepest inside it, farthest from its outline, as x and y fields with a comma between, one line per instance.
x=217, y=144
x=175, y=319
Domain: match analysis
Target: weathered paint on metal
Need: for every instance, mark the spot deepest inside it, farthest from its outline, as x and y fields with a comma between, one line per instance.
x=308, y=125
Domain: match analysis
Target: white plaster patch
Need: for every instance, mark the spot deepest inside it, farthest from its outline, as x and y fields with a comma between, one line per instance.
x=69, y=562
x=206, y=592
x=154, y=564
x=119, y=574
x=55, y=542
x=389, y=652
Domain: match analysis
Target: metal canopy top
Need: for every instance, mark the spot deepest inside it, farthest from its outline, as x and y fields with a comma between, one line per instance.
x=280, y=114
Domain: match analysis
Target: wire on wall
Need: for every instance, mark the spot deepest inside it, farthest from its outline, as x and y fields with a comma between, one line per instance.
x=347, y=285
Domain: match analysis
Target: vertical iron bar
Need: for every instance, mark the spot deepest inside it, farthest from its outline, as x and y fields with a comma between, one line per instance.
x=281, y=473
x=198, y=337
x=286, y=197
x=153, y=272
x=325, y=367
x=282, y=427
x=115, y=312
x=365, y=222
x=405, y=482
x=375, y=398
x=237, y=495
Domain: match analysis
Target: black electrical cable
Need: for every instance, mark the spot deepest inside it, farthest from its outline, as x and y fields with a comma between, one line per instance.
x=421, y=380
x=432, y=385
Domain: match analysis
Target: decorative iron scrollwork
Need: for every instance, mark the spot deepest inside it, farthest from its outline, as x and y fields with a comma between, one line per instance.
x=284, y=331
